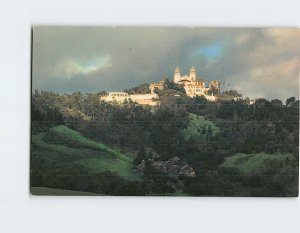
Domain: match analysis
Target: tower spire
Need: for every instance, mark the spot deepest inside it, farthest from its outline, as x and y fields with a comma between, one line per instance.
x=193, y=73
x=177, y=75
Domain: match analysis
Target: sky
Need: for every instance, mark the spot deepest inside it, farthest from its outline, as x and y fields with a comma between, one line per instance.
x=257, y=62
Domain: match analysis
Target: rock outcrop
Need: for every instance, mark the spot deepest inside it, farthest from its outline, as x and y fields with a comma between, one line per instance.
x=173, y=167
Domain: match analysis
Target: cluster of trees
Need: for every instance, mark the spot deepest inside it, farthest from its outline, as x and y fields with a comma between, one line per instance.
x=265, y=126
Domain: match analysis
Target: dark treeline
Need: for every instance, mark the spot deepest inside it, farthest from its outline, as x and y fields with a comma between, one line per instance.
x=156, y=133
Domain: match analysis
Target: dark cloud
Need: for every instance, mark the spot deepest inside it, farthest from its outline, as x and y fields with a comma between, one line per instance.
x=256, y=62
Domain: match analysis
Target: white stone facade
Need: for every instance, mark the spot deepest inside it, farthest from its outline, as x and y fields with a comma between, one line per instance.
x=121, y=97
x=186, y=78
x=195, y=87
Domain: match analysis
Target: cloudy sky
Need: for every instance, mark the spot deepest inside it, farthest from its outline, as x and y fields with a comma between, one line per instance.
x=256, y=62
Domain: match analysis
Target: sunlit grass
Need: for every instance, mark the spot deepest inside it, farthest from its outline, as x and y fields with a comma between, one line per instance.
x=254, y=163
x=198, y=127
x=75, y=136
x=96, y=157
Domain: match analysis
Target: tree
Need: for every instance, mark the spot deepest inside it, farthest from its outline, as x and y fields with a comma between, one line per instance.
x=141, y=89
x=261, y=102
x=290, y=101
x=276, y=103
x=233, y=93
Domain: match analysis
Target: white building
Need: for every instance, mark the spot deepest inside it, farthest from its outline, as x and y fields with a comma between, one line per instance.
x=196, y=87
x=186, y=78
x=121, y=97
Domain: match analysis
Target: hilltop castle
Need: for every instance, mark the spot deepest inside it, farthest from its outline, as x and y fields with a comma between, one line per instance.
x=192, y=86
x=196, y=87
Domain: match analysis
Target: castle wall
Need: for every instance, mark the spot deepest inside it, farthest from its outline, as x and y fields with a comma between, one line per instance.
x=121, y=97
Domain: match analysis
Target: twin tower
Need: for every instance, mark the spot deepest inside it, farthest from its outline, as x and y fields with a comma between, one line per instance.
x=196, y=87
x=186, y=78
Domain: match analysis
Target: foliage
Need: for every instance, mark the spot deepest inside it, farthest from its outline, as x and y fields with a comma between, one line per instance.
x=84, y=144
x=233, y=93
x=63, y=135
x=141, y=89
x=199, y=127
x=80, y=168
x=256, y=163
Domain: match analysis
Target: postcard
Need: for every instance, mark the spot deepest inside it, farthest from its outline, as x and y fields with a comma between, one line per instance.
x=165, y=111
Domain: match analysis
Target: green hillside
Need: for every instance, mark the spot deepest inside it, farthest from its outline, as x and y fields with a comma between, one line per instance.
x=256, y=163
x=63, y=148
x=199, y=127
x=69, y=136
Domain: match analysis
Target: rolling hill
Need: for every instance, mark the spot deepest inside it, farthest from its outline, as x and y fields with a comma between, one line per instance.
x=62, y=152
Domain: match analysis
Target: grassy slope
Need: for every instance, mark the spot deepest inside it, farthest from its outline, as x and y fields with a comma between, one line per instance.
x=81, y=140
x=253, y=163
x=95, y=156
x=196, y=125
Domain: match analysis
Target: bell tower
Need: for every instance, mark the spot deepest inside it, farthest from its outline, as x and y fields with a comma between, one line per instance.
x=177, y=75
x=193, y=74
